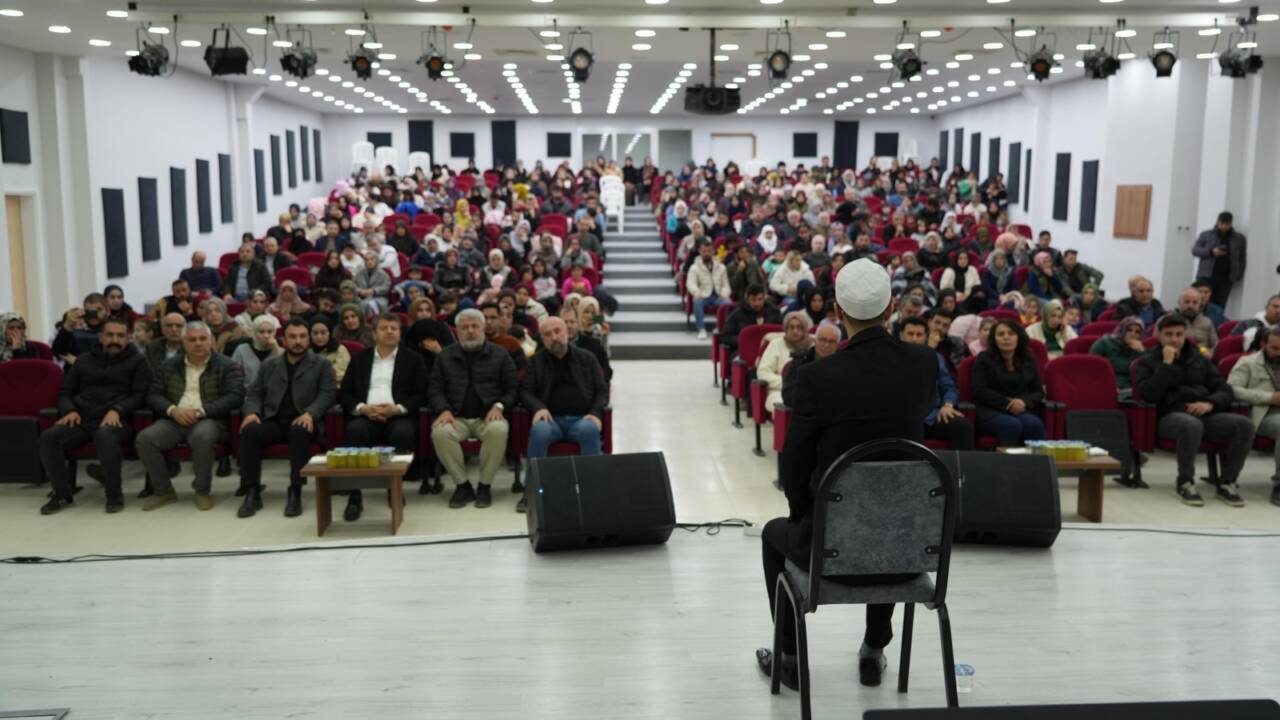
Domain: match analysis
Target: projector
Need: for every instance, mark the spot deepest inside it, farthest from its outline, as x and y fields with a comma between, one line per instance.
x=711, y=100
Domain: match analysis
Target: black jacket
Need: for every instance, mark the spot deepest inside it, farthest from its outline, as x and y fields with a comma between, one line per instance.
x=494, y=374
x=408, y=381
x=993, y=385
x=875, y=387
x=1127, y=307
x=743, y=316
x=314, y=387
x=98, y=383
x=595, y=347
x=155, y=354
x=1191, y=378
x=259, y=278
x=540, y=378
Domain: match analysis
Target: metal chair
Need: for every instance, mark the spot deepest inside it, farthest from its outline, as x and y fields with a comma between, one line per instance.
x=886, y=507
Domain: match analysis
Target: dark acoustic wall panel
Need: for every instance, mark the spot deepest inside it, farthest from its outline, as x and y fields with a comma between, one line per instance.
x=178, y=205
x=291, y=157
x=462, y=145
x=804, y=144
x=379, y=139
x=224, y=188
x=958, y=151
x=1088, y=195
x=315, y=146
x=1061, y=186
x=975, y=155
x=993, y=157
x=149, y=218
x=204, y=197
x=503, y=139
x=1014, y=184
x=886, y=144
x=15, y=138
x=277, y=184
x=844, y=151
x=113, y=233
x=260, y=179
x=422, y=138
x=559, y=144
x=943, y=138
x=1026, y=182
x=304, y=137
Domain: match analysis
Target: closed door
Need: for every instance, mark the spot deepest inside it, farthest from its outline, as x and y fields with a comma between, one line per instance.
x=733, y=147
x=675, y=148
x=17, y=254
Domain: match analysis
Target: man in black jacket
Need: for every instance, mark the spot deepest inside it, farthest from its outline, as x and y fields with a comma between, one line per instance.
x=1194, y=404
x=286, y=402
x=99, y=395
x=473, y=385
x=566, y=391
x=381, y=394
x=246, y=276
x=755, y=309
x=876, y=387
x=1141, y=302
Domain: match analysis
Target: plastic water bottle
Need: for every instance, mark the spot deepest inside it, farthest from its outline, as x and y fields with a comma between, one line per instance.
x=964, y=678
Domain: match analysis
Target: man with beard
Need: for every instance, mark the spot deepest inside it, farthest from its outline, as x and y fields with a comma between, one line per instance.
x=286, y=402
x=99, y=395
x=1199, y=327
x=1222, y=253
x=1255, y=379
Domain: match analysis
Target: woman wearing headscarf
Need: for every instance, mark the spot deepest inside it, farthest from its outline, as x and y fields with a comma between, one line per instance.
x=402, y=241
x=521, y=236
x=1121, y=348
x=497, y=273
x=1051, y=330
x=288, y=303
x=960, y=276
x=223, y=328
x=351, y=326
x=912, y=273
x=262, y=345
x=812, y=302
x=331, y=273
x=766, y=241
x=1090, y=303
x=16, y=346
x=325, y=344
x=462, y=214
x=373, y=285
x=998, y=275
x=932, y=255
x=428, y=338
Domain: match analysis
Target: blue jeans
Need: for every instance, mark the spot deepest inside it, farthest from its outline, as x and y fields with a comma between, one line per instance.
x=1012, y=429
x=700, y=306
x=574, y=428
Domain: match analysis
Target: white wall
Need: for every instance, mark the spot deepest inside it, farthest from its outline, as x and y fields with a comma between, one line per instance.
x=18, y=92
x=268, y=117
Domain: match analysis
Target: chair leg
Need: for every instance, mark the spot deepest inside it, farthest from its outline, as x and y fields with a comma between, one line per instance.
x=948, y=656
x=904, y=655
x=724, y=392
x=775, y=671
x=1214, y=477
x=802, y=663
x=758, y=450
x=737, y=413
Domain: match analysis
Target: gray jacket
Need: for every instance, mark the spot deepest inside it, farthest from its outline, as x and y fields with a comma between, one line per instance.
x=1251, y=383
x=315, y=387
x=1203, y=249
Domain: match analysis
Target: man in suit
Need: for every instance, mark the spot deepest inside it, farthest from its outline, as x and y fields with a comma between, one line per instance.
x=286, y=402
x=381, y=395
x=246, y=276
x=876, y=387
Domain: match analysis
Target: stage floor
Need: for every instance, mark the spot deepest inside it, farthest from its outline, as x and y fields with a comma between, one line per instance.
x=490, y=630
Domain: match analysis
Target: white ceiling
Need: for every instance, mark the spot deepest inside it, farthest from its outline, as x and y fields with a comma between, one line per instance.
x=506, y=32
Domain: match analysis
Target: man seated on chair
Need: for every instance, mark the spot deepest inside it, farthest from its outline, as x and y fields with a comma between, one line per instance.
x=1255, y=379
x=1194, y=404
x=381, y=394
x=473, y=384
x=876, y=387
x=285, y=403
x=708, y=285
x=755, y=309
x=945, y=422
x=782, y=347
x=245, y=276
x=566, y=392
x=192, y=396
x=100, y=392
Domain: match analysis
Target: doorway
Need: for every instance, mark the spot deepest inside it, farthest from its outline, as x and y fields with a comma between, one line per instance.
x=17, y=254
x=675, y=148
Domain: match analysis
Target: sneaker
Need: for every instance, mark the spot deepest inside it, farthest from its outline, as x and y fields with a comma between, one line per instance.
x=484, y=498
x=204, y=502
x=1229, y=494
x=154, y=502
x=462, y=496
x=702, y=334
x=55, y=504
x=1188, y=495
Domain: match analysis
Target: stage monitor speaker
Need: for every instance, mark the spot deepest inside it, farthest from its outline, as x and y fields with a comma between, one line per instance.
x=599, y=501
x=1005, y=499
x=1186, y=710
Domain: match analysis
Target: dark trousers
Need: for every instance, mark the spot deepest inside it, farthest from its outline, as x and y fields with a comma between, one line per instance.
x=256, y=438
x=958, y=433
x=110, y=443
x=774, y=536
x=400, y=432
x=1220, y=290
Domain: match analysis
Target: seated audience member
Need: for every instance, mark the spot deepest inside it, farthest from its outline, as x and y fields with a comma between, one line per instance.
x=99, y=395
x=743, y=271
x=334, y=238
x=453, y=278
x=326, y=303
x=78, y=331
x=707, y=283
x=585, y=341
x=351, y=259
x=817, y=256
x=1044, y=243
x=826, y=340
x=998, y=276
x=117, y=307
x=224, y=329
x=253, y=307
x=1052, y=330
x=1072, y=318
x=200, y=277
x=1214, y=311
x=961, y=277
x=1091, y=304
x=16, y=346
x=945, y=423
x=1006, y=387
x=428, y=253
x=755, y=309
x=1029, y=311
x=1121, y=348
x=283, y=229
x=1268, y=318
x=1194, y=404
x=566, y=393
x=473, y=384
x=786, y=280
x=351, y=326
x=373, y=285
x=246, y=276
x=273, y=259
x=932, y=255
x=909, y=306
x=1078, y=274
x=1200, y=328
x=525, y=303
x=497, y=273
x=1255, y=379
x=192, y=396
x=912, y=274
x=428, y=337
x=1046, y=280
x=1141, y=302
x=325, y=344
x=793, y=340
x=262, y=345
x=170, y=344
x=576, y=282
x=592, y=322
x=178, y=300
x=969, y=335
x=288, y=304
x=285, y=403
x=381, y=394
x=496, y=332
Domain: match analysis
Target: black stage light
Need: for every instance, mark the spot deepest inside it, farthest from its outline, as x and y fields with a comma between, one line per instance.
x=580, y=63
x=1100, y=65
x=227, y=60
x=299, y=62
x=1041, y=63
x=434, y=62
x=1163, y=61
x=907, y=63
x=1239, y=63
x=362, y=63
x=151, y=60
x=779, y=64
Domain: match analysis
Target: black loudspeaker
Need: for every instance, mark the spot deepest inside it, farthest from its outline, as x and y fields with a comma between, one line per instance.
x=1005, y=499
x=19, y=462
x=599, y=501
x=1187, y=710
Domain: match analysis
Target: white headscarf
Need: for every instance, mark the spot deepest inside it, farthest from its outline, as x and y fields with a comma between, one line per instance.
x=767, y=239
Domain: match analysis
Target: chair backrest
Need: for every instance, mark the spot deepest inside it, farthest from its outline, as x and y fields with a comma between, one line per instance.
x=1109, y=313
x=749, y=341
x=884, y=256
x=1020, y=276
x=28, y=386
x=362, y=154
x=427, y=220
x=1226, y=327
x=417, y=159
x=311, y=260
x=1080, y=345
x=1083, y=382
x=902, y=245
x=299, y=275
x=936, y=276
x=885, y=507
x=226, y=260
x=1099, y=327
x=1040, y=352
x=1228, y=346
x=963, y=374
x=388, y=156
x=44, y=351
x=1227, y=363
x=352, y=347
x=491, y=179
x=1022, y=230
x=591, y=275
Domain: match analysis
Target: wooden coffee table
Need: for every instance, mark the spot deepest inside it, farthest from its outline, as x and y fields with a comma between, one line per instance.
x=1089, y=489
x=388, y=475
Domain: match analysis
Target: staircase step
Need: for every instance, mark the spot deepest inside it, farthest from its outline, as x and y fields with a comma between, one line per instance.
x=643, y=286
x=614, y=245
x=659, y=267
x=666, y=345
x=635, y=257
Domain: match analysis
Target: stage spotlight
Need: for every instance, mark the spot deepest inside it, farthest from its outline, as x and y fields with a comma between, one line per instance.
x=362, y=63
x=225, y=60
x=907, y=63
x=580, y=63
x=151, y=60
x=434, y=62
x=1163, y=61
x=779, y=64
x=299, y=62
x=1040, y=63
x=1100, y=65
x=1239, y=63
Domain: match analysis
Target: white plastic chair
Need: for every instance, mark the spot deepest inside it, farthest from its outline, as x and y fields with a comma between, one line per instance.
x=388, y=156
x=418, y=159
x=361, y=155
x=614, y=198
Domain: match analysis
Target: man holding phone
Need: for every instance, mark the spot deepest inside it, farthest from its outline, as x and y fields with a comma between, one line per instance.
x=80, y=327
x=1222, y=253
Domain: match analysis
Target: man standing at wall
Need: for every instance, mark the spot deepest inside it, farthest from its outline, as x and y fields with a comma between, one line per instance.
x=1222, y=258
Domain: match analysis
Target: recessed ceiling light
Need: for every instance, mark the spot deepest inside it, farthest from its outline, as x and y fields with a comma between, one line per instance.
x=355, y=32
x=834, y=34
x=7, y=12
x=964, y=56
x=99, y=43
x=721, y=58
x=275, y=78
x=992, y=46
x=641, y=47
x=256, y=31
x=952, y=65
x=884, y=2
x=549, y=33
x=1109, y=2
x=930, y=33
x=1207, y=32
x=259, y=71
x=728, y=47
x=1126, y=33
x=770, y=2
x=1268, y=17
x=655, y=2
x=882, y=57
x=155, y=30
x=386, y=56
x=63, y=29
x=800, y=58
x=190, y=43
x=543, y=1
x=932, y=71
x=645, y=33
x=1246, y=45
x=117, y=13
x=1025, y=32
x=462, y=46
x=817, y=46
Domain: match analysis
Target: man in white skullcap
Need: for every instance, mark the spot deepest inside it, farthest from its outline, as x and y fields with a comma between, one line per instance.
x=877, y=387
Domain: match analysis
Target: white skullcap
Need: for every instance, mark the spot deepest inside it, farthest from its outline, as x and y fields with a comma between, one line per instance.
x=862, y=289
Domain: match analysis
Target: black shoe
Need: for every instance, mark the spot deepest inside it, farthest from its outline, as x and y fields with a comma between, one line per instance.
x=790, y=674
x=523, y=505
x=462, y=495
x=483, y=497
x=293, y=503
x=1229, y=494
x=224, y=466
x=252, y=502
x=1275, y=495
x=355, y=506
x=517, y=486
x=55, y=505
x=146, y=490
x=431, y=486
x=1132, y=481
x=871, y=669
x=1188, y=495
x=115, y=503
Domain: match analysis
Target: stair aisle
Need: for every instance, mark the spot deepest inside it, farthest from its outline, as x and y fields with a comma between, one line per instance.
x=650, y=322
